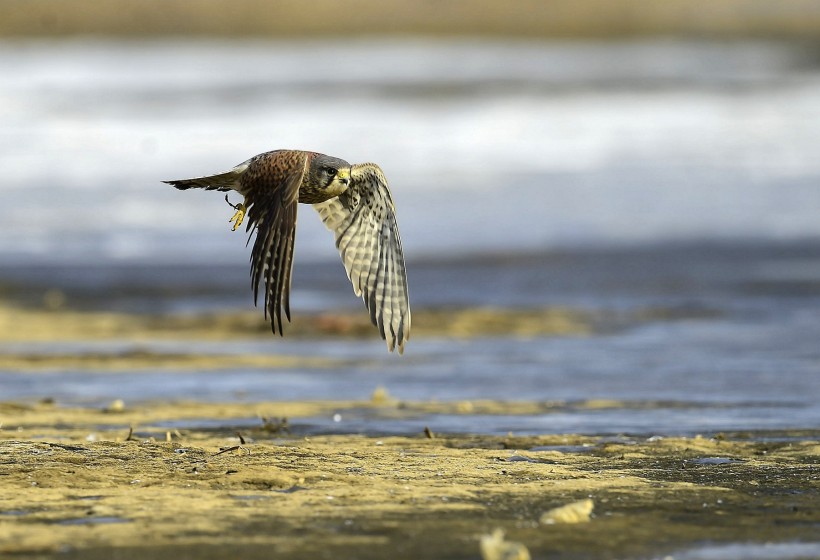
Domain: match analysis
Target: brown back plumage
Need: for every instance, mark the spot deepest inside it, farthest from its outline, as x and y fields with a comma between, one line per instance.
x=271, y=188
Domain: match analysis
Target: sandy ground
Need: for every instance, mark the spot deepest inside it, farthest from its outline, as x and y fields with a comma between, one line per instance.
x=324, y=18
x=80, y=483
x=112, y=482
x=36, y=324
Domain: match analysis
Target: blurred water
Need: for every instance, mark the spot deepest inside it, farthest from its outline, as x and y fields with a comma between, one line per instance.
x=487, y=145
x=668, y=188
x=691, y=339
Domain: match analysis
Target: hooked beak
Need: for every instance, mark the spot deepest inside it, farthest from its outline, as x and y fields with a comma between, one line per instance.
x=343, y=176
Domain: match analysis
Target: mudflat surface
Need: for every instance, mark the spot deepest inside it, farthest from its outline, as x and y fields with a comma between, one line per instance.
x=116, y=482
x=687, y=416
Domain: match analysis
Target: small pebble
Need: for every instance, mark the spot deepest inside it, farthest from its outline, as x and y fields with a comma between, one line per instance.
x=576, y=512
x=494, y=547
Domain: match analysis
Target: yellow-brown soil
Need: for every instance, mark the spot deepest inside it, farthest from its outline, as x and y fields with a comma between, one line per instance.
x=71, y=482
x=117, y=481
x=326, y=18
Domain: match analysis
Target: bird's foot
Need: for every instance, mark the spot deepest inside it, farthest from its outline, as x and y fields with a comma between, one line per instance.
x=238, y=216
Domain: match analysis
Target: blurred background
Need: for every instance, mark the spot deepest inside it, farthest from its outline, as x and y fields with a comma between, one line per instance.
x=529, y=126
x=651, y=165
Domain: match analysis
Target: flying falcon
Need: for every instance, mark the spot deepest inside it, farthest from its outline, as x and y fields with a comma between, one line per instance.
x=353, y=201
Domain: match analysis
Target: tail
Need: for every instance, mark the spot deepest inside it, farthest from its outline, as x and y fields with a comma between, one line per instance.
x=221, y=182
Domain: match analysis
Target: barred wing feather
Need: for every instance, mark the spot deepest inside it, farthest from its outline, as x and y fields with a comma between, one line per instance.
x=363, y=219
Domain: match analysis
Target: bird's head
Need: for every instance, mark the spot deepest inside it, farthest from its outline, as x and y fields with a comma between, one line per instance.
x=329, y=174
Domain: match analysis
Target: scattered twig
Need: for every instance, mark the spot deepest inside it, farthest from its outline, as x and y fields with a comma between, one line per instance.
x=226, y=449
x=232, y=448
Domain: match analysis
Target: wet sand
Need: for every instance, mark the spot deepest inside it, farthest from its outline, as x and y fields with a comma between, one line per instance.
x=79, y=482
x=36, y=324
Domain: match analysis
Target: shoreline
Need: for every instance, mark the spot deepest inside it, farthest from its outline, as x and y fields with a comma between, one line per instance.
x=40, y=324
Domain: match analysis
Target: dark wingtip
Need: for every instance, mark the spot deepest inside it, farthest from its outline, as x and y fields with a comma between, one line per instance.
x=276, y=325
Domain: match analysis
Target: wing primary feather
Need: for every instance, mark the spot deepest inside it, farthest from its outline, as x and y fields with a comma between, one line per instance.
x=388, y=302
x=381, y=289
x=371, y=273
x=259, y=256
x=271, y=292
x=393, y=292
x=277, y=275
x=278, y=279
x=291, y=242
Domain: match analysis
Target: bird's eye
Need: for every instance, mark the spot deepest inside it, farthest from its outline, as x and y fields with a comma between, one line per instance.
x=331, y=171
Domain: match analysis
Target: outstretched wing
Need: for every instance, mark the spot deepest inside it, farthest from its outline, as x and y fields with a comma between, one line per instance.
x=271, y=189
x=363, y=219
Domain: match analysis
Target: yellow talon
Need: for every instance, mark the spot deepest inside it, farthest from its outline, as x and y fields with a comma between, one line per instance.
x=238, y=216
